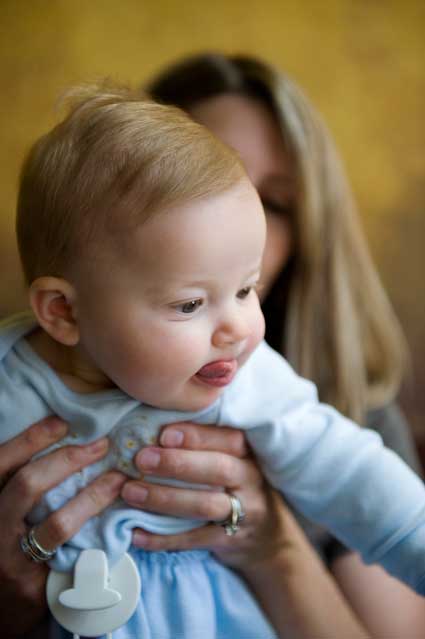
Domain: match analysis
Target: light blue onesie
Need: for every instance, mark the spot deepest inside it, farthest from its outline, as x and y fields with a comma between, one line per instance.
x=334, y=472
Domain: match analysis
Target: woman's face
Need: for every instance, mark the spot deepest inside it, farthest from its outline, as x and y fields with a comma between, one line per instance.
x=248, y=126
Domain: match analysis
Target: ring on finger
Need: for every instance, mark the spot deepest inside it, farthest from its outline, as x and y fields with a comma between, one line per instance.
x=237, y=515
x=33, y=549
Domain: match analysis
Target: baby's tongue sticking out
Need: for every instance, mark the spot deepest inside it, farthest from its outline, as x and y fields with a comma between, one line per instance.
x=216, y=369
x=219, y=373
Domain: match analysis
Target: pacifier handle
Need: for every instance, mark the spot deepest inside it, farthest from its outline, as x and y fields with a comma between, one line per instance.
x=90, y=591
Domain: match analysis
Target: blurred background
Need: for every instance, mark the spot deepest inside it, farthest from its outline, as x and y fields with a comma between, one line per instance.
x=361, y=62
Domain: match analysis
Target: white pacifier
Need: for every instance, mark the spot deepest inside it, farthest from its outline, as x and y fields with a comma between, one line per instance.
x=95, y=602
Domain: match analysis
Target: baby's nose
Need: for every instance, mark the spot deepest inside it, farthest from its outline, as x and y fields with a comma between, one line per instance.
x=231, y=331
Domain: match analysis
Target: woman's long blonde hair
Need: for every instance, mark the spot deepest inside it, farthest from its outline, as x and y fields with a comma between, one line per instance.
x=336, y=325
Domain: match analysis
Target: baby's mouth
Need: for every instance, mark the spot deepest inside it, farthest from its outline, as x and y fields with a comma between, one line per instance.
x=219, y=373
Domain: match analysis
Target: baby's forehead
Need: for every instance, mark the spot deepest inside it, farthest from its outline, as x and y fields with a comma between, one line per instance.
x=197, y=240
x=188, y=227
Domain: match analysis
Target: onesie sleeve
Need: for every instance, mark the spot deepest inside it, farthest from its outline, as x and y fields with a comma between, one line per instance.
x=396, y=434
x=334, y=472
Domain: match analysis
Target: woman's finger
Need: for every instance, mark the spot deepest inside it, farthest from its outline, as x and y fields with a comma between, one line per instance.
x=261, y=534
x=212, y=537
x=205, y=505
x=31, y=481
x=18, y=451
x=92, y=500
x=203, y=437
x=212, y=468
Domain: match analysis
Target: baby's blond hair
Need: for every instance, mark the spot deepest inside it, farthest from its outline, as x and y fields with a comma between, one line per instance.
x=116, y=159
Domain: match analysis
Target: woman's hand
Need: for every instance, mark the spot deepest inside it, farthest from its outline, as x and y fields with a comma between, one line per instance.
x=220, y=458
x=270, y=550
x=22, y=483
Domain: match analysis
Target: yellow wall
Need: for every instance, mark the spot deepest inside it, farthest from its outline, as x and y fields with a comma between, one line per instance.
x=362, y=63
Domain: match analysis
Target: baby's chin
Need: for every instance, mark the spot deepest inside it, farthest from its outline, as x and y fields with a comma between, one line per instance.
x=192, y=406
x=197, y=400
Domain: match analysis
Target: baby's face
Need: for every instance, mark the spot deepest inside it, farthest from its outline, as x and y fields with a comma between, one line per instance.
x=172, y=318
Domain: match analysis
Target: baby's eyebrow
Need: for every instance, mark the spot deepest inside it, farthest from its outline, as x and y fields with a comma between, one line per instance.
x=173, y=288
x=159, y=290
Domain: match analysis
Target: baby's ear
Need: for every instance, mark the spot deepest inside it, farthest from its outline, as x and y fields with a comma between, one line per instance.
x=52, y=300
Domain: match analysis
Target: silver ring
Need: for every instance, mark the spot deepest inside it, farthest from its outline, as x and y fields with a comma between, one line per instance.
x=34, y=550
x=231, y=524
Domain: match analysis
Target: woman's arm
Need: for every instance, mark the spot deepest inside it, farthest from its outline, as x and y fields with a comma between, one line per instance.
x=295, y=589
x=22, y=598
x=388, y=608
x=270, y=551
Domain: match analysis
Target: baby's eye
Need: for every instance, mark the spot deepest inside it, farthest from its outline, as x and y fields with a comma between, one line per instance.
x=189, y=307
x=244, y=292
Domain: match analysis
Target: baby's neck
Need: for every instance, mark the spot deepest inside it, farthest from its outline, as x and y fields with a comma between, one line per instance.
x=69, y=364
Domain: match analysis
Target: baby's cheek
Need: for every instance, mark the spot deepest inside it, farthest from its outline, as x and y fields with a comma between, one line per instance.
x=258, y=330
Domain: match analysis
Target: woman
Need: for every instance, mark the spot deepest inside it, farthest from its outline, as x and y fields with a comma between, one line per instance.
x=325, y=308
x=325, y=311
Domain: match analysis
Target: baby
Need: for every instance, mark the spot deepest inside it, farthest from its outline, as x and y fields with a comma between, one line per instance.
x=141, y=240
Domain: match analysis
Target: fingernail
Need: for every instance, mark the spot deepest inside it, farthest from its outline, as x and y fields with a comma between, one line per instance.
x=134, y=494
x=99, y=446
x=172, y=438
x=148, y=459
x=56, y=427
